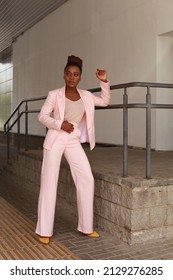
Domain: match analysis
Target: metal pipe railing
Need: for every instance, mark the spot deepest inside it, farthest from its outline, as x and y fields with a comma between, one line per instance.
x=125, y=133
x=125, y=106
x=148, y=133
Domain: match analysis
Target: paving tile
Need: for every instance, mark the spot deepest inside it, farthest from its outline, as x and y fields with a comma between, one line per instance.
x=84, y=256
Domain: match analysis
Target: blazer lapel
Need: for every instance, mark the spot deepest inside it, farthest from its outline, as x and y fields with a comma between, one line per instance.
x=61, y=102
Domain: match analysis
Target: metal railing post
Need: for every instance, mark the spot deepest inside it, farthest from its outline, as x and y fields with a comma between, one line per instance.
x=125, y=133
x=18, y=131
x=26, y=126
x=148, y=134
x=8, y=143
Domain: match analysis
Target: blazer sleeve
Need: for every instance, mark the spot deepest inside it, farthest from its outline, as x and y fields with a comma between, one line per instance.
x=104, y=98
x=45, y=117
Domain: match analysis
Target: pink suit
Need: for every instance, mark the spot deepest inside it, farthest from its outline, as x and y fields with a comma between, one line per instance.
x=58, y=142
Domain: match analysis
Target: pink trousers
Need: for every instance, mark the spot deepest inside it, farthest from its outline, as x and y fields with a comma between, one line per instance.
x=69, y=145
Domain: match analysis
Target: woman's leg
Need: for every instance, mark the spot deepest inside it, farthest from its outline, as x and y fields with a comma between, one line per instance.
x=84, y=182
x=48, y=190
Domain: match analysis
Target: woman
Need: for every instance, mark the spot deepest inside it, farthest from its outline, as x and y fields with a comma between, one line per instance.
x=72, y=123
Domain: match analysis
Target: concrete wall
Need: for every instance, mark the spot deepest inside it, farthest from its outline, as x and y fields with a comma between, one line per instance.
x=164, y=128
x=164, y=73
x=118, y=35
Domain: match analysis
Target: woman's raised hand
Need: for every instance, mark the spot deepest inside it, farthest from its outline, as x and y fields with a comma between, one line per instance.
x=101, y=75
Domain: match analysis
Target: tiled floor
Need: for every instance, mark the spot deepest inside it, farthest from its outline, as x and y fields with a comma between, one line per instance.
x=19, y=242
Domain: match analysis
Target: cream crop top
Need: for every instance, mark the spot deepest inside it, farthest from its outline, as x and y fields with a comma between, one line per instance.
x=74, y=110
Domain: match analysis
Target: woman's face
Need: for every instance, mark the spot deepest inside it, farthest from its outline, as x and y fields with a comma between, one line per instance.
x=72, y=76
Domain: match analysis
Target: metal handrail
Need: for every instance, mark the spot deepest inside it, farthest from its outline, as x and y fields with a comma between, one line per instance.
x=124, y=106
x=6, y=124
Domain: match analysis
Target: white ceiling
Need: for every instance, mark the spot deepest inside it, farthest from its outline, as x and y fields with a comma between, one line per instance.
x=16, y=16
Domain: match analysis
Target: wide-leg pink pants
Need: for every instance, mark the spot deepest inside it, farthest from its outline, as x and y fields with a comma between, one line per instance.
x=69, y=145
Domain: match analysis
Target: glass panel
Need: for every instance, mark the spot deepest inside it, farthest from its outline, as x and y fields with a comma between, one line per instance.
x=6, y=88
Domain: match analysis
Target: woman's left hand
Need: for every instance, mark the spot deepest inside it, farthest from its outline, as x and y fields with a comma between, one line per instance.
x=101, y=75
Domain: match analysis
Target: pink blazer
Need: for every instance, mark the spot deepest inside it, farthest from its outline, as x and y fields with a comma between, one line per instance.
x=52, y=113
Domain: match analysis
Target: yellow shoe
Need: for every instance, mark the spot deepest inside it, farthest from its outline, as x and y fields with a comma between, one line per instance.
x=44, y=240
x=94, y=234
